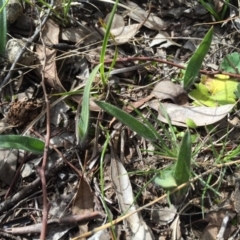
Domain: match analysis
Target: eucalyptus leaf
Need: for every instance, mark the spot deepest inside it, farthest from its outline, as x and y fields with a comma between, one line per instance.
x=196, y=60
x=128, y=120
x=22, y=142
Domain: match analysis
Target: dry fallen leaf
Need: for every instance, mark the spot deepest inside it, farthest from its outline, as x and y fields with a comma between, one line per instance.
x=164, y=39
x=80, y=35
x=201, y=116
x=123, y=187
x=127, y=33
x=117, y=23
x=165, y=215
x=83, y=203
x=215, y=219
x=8, y=161
x=122, y=34
x=168, y=90
x=140, y=15
x=50, y=34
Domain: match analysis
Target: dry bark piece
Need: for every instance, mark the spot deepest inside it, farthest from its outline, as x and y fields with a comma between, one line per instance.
x=13, y=47
x=21, y=113
x=13, y=10
x=168, y=90
x=237, y=195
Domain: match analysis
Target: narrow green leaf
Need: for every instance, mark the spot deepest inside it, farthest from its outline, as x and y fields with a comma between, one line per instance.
x=3, y=26
x=209, y=7
x=22, y=142
x=196, y=60
x=182, y=170
x=105, y=41
x=128, y=120
x=83, y=122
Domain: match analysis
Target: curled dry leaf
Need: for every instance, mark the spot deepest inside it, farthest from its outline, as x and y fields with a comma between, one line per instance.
x=140, y=15
x=164, y=39
x=121, y=33
x=168, y=90
x=200, y=115
x=128, y=32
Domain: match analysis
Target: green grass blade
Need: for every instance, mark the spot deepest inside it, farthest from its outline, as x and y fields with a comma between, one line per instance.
x=83, y=122
x=196, y=60
x=182, y=169
x=161, y=144
x=22, y=142
x=225, y=7
x=128, y=120
x=209, y=7
x=3, y=26
x=104, y=45
x=66, y=7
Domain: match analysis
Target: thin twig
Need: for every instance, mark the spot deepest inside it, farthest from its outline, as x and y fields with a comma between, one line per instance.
x=153, y=59
x=16, y=176
x=37, y=228
x=27, y=190
x=46, y=148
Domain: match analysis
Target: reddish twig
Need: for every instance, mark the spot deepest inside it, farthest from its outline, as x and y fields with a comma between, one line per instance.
x=26, y=191
x=153, y=59
x=13, y=183
x=46, y=148
x=59, y=154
